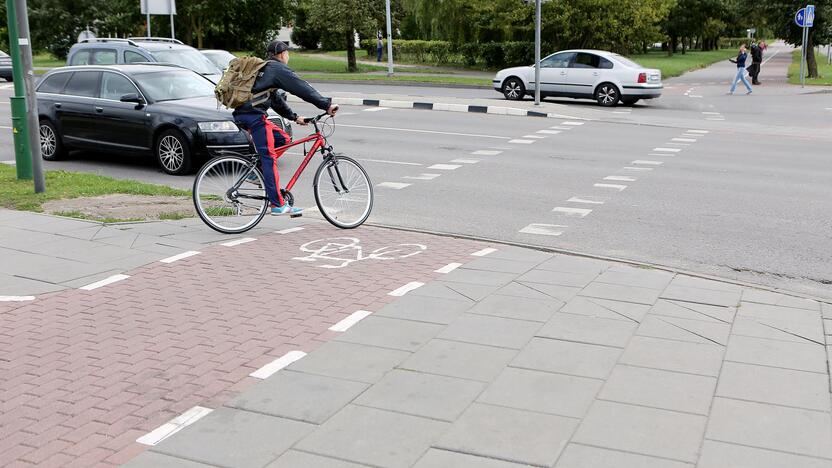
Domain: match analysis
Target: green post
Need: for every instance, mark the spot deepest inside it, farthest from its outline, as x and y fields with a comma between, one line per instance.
x=22, y=151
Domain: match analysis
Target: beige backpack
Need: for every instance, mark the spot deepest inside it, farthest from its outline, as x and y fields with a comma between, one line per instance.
x=234, y=88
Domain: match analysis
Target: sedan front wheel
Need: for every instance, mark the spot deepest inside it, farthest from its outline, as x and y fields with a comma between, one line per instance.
x=607, y=94
x=173, y=153
x=513, y=89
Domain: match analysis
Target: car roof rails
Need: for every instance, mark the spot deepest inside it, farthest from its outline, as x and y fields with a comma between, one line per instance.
x=108, y=39
x=157, y=39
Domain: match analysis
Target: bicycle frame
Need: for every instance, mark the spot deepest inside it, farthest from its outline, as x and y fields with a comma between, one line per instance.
x=318, y=144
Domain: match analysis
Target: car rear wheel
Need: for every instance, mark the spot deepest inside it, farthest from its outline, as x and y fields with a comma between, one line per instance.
x=51, y=147
x=607, y=94
x=513, y=89
x=173, y=153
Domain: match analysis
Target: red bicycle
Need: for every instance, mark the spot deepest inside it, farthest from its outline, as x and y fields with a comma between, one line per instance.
x=229, y=192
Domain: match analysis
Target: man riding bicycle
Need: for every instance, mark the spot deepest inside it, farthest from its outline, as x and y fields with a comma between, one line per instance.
x=267, y=136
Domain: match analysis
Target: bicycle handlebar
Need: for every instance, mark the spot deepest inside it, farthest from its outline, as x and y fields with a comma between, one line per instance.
x=316, y=118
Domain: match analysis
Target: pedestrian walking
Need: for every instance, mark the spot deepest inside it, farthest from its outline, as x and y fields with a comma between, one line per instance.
x=756, y=63
x=741, y=71
x=379, y=46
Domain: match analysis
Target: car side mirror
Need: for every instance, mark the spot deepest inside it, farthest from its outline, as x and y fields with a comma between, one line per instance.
x=132, y=97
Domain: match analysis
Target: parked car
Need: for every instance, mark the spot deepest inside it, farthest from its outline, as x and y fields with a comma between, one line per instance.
x=220, y=58
x=583, y=74
x=5, y=66
x=154, y=109
x=107, y=51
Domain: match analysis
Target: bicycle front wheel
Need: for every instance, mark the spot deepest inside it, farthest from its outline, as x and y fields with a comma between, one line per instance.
x=223, y=205
x=343, y=192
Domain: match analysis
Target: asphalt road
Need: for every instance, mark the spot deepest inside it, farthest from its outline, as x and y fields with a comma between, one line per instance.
x=749, y=199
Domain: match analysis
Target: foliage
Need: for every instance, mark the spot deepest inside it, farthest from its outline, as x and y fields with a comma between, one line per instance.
x=778, y=17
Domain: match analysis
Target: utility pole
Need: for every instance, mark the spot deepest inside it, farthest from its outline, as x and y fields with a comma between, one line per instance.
x=537, y=52
x=389, y=42
x=25, y=125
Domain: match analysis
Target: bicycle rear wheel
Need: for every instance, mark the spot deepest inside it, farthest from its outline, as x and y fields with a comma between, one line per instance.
x=220, y=205
x=343, y=192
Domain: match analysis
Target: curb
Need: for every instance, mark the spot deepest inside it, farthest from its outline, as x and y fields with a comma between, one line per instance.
x=412, y=84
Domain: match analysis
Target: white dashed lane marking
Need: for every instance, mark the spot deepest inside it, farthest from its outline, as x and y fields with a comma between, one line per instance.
x=351, y=320
x=104, y=282
x=238, y=241
x=375, y=109
x=522, y=142
x=685, y=140
x=543, y=229
x=390, y=162
x=486, y=152
x=698, y=131
x=423, y=176
x=448, y=268
x=569, y=211
x=174, y=258
x=611, y=186
x=175, y=425
x=534, y=137
x=465, y=161
x=405, y=289
x=667, y=150
x=549, y=132
x=16, y=298
x=393, y=185
x=620, y=178
x=444, y=167
x=483, y=252
x=636, y=169
x=647, y=162
x=289, y=231
x=590, y=200
x=573, y=124
x=266, y=371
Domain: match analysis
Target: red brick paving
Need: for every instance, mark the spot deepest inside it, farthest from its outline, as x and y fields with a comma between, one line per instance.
x=85, y=373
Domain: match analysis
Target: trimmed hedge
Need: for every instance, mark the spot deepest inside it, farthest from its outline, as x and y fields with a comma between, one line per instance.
x=493, y=55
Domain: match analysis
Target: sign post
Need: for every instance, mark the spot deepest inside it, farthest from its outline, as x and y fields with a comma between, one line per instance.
x=537, y=52
x=389, y=42
x=158, y=7
x=805, y=18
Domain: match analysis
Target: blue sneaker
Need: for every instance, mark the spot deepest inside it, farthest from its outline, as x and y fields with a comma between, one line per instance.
x=286, y=210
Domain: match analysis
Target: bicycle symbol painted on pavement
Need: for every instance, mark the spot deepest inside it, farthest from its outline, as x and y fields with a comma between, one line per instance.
x=338, y=252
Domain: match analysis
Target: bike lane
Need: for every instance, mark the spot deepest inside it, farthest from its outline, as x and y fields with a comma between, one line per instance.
x=86, y=373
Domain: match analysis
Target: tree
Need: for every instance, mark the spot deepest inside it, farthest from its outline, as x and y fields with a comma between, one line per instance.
x=344, y=17
x=780, y=18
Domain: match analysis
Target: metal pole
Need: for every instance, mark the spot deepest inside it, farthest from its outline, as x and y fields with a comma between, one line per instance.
x=537, y=52
x=389, y=42
x=170, y=6
x=803, y=58
x=148, y=21
x=32, y=123
x=18, y=101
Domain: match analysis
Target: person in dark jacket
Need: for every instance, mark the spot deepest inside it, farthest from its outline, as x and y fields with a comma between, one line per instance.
x=268, y=137
x=740, y=76
x=756, y=62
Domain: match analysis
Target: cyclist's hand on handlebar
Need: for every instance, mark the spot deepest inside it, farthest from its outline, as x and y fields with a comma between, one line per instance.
x=332, y=109
x=301, y=121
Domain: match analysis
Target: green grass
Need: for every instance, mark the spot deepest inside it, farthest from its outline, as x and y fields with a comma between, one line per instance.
x=307, y=62
x=678, y=63
x=80, y=215
x=450, y=79
x=824, y=70
x=20, y=194
x=174, y=215
x=45, y=59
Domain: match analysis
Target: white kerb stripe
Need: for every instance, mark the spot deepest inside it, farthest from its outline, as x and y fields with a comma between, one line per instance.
x=569, y=211
x=483, y=252
x=543, y=229
x=238, y=241
x=648, y=162
x=406, y=288
x=393, y=185
x=574, y=124
x=174, y=258
x=667, y=150
x=612, y=186
x=620, y=178
x=175, y=425
x=351, y=320
x=290, y=230
x=465, y=161
x=279, y=363
x=448, y=268
x=444, y=167
x=549, y=132
x=104, y=282
x=522, y=142
x=486, y=152
x=586, y=200
x=16, y=298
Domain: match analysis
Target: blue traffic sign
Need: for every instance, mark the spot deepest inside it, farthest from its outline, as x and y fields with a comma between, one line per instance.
x=800, y=17
x=805, y=17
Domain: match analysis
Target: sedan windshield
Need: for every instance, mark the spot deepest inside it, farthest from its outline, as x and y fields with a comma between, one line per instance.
x=626, y=61
x=174, y=84
x=221, y=58
x=188, y=58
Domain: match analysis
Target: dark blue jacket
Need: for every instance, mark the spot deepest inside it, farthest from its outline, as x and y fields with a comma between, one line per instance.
x=740, y=61
x=277, y=75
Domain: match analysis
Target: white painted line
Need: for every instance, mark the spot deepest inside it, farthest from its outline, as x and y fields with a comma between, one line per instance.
x=667, y=150
x=573, y=124
x=683, y=145
x=698, y=131
x=423, y=176
x=661, y=155
x=279, y=363
x=486, y=152
x=483, y=252
x=647, y=162
x=569, y=211
x=543, y=229
x=620, y=178
x=5, y=128
x=688, y=135
x=390, y=162
x=636, y=169
x=695, y=96
x=289, y=231
x=406, y=289
x=465, y=161
x=612, y=186
x=711, y=113
x=534, y=137
x=445, y=167
x=448, y=268
x=522, y=142
x=238, y=241
x=398, y=129
x=772, y=56
x=374, y=109
x=549, y=132
x=620, y=112
x=715, y=118
x=558, y=127
x=591, y=200
x=16, y=298
x=174, y=258
x=685, y=140
x=393, y=185
x=175, y=425
x=104, y=282
x=349, y=321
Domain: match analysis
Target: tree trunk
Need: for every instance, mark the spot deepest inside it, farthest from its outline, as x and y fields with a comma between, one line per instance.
x=672, y=48
x=352, y=67
x=811, y=63
x=684, y=43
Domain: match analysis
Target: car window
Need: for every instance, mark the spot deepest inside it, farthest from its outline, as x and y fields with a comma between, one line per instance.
x=54, y=83
x=133, y=57
x=560, y=60
x=584, y=60
x=174, y=84
x=104, y=57
x=605, y=64
x=114, y=86
x=221, y=58
x=187, y=58
x=81, y=58
x=83, y=83
x=626, y=61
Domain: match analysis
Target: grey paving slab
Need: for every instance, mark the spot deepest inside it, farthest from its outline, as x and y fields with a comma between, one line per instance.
x=421, y=394
x=158, y=460
x=154, y=228
x=54, y=224
x=386, y=332
x=440, y=290
x=721, y=455
x=768, y=297
x=298, y=459
x=493, y=331
x=639, y=277
x=463, y=360
x=234, y=438
x=519, y=254
x=559, y=278
x=374, y=437
x=583, y=456
x=15, y=286
x=701, y=296
x=783, y=330
x=509, y=434
x=702, y=283
x=826, y=310
x=773, y=427
x=482, y=277
x=24, y=239
x=350, y=361
x=643, y=430
x=674, y=328
x=692, y=311
x=86, y=233
x=657, y=353
x=85, y=280
x=297, y=395
x=574, y=264
x=425, y=309
x=603, y=308
x=139, y=259
x=554, y=291
x=500, y=265
x=772, y=385
x=566, y=357
x=617, y=292
x=773, y=312
x=584, y=329
x=448, y=290
x=515, y=289
x=55, y=270
x=437, y=458
x=517, y=308
x=83, y=251
x=203, y=235
x=660, y=389
x=542, y=392
x=13, y=216
x=798, y=356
